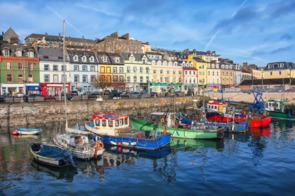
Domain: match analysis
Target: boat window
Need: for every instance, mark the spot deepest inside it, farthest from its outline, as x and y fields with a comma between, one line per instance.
x=126, y=121
x=121, y=122
x=97, y=122
x=110, y=123
x=104, y=123
x=117, y=123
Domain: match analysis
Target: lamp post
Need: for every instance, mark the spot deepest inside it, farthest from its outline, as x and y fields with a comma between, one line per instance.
x=25, y=77
x=262, y=80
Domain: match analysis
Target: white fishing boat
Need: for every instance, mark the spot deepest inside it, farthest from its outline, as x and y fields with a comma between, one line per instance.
x=80, y=145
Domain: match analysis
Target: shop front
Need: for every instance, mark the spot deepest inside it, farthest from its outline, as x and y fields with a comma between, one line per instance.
x=53, y=88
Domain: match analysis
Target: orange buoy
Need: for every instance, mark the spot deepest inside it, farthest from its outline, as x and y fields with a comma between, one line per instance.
x=138, y=135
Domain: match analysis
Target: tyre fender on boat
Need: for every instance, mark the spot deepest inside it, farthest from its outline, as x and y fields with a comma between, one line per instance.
x=99, y=145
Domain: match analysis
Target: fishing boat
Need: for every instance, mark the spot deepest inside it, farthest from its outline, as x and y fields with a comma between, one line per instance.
x=52, y=155
x=26, y=131
x=229, y=126
x=260, y=121
x=167, y=122
x=114, y=129
x=276, y=108
x=80, y=145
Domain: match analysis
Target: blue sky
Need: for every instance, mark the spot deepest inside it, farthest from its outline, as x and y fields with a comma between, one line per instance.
x=243, y=30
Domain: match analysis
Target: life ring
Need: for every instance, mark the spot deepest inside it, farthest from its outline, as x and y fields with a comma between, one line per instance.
x=99, y=145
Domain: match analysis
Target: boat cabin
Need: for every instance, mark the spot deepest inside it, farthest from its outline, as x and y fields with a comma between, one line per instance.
x=217, y=106
x=108, y=120
x=275, y=105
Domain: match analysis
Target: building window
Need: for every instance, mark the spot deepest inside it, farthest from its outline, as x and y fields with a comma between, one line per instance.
x=104, y=59
x=30, y=66
x=84, y=68
x=91, y=59
x=115, y=79
x=9, y=78
x=63, y=68
x=46, y=67
x=8, y=65
x=30, y=78
x=93, y=78
x=115, y=70
x=134, y=69
x=161, y=71
x=102, y=69
x=140, y=69
x=121, y=70
x=147, y=79
x=147, y=70
x=155, y=71
x=20, y=66
x=92, y=68
x=117, y=59
x=64, y=78
x=141, y=79
x=55, y=78
x=134, y=79
x=128, y=79
x=76, y=67
x=128, y=69
x=109, y=69
x=121, y=78
x=75, y=58
x=85, y=79
x=280, y=73
x=76, y=78
x=55, y=68
x=84, y=59
x=46, y=78
x=20, y=78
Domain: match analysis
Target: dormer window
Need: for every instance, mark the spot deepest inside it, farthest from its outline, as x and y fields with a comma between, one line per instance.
x=117, y=59
x=91, y=59
x=84, y=59
x=104, y=59
x=75, y=58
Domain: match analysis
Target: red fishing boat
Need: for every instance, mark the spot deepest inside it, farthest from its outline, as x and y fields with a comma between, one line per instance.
x=262, y=121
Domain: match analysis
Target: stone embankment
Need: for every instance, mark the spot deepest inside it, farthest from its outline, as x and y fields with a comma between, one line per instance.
x=31, y=114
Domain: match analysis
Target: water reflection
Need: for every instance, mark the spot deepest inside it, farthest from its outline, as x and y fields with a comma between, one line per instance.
x=191, y=145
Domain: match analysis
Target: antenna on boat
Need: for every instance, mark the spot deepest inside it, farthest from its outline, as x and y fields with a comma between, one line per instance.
x=64, y=73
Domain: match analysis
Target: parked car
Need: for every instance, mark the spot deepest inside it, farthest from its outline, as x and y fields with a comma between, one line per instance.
x=107, y=92
x=74, y=93
x=125, y=94
x=94, y=94
x=135, y=94
x=19, y=94
x=178, y=93
x=154, y=94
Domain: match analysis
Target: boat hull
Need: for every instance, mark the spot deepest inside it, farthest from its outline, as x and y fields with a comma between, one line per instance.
x=26, y=131
x=263, y=122
x=133, y=139
x=231, y=127
x=281, y=115
x=51, y=155
x=209, y=133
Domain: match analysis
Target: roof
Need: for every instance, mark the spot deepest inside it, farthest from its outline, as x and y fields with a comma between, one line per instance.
x=50, y=54
x=198, y=59
x=81, y=54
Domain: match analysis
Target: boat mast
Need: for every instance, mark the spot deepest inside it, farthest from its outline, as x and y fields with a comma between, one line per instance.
x=64, y=73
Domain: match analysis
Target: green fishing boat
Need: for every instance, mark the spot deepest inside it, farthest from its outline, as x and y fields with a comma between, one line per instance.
x=277, y=109
x=195, y=132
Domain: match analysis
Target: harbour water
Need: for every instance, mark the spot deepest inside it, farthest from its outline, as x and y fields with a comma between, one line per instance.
x=259, y=162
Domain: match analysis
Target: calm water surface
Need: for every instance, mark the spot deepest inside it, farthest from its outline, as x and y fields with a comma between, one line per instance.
x=259, y=162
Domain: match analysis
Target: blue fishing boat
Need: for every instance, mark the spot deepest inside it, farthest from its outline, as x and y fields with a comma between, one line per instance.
x=26, y=131
x=114, y=129
x=52, y=155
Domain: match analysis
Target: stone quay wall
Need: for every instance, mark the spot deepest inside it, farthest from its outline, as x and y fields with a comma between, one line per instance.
x=51, y=112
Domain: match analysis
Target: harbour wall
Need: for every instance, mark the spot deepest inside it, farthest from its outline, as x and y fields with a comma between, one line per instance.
x=34, y=114
x=52, y=112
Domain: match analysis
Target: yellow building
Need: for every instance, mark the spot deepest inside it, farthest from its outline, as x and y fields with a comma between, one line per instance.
x=166, y=74
x=279, y=70
x=137, y=70
x=201, y=66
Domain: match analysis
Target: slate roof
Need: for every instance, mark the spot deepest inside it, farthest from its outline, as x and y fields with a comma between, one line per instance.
x=198, y=59
x=50, y=54
x=80, y=54
x=116, y=59
x=103, y=55
x=276, y=66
